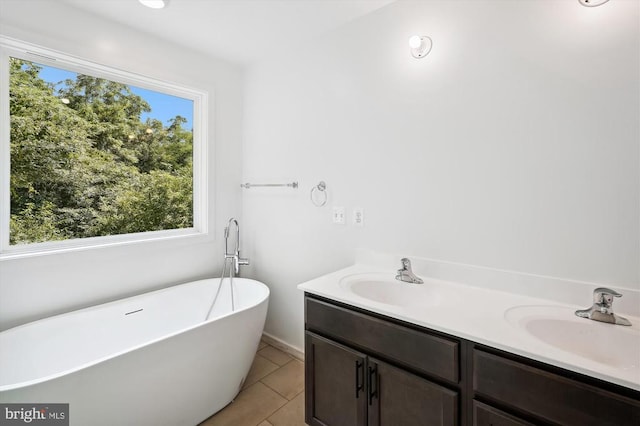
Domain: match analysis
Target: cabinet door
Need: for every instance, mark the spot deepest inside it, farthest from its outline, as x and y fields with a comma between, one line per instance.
x=399, y=398
x=485, y=415
x=335, y=393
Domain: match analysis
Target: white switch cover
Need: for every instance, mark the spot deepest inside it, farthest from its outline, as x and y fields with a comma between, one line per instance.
x=338, y=215
x=358, y=216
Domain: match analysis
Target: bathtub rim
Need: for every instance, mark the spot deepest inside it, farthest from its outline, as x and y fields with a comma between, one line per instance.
x=14, y=386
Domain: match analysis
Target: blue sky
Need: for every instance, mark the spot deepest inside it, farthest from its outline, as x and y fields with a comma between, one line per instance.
x=163, y=107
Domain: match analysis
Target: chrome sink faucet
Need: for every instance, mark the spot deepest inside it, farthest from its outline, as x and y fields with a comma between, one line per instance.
x=602, y=307
x=235, y=256
x=406, y=274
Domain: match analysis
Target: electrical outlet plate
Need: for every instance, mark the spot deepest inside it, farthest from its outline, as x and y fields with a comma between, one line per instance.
x=338, y=215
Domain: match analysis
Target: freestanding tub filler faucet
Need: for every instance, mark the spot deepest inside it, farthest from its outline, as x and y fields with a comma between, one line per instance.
x=235, y=256
x=405, y=273
x=234, y=260
x=602, y=309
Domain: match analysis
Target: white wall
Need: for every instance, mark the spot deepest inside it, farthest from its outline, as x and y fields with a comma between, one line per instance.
x=36, y=287
x=513, y=145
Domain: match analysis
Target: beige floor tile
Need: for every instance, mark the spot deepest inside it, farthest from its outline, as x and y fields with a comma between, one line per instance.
x=260, y=368
x=275, y=355
x=265, y=423
x=291, y=414
x=287, y=380
x=250, y=407
x=262, y=344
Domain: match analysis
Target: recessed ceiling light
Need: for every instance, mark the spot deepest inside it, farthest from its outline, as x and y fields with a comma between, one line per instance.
x=154, y=4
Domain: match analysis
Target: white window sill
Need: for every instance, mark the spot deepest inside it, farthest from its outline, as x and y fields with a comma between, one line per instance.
x=67, y=246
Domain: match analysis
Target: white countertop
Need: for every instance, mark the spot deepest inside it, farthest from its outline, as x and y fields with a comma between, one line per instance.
x=478, y=314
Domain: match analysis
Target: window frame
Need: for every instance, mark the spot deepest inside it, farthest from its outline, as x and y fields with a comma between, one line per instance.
x=18, y=49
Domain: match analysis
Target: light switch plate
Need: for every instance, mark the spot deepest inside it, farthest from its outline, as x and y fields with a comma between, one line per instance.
x=358, y=216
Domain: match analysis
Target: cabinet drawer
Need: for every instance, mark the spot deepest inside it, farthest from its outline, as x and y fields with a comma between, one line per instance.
x=485, y=415
x=549, y=396
x=434, y=355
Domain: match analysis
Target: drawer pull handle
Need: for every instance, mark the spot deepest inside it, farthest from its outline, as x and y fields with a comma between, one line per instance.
x=372, y=381
x=359, y=377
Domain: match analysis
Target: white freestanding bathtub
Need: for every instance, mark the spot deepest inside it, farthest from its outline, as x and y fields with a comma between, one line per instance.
x=145, y=360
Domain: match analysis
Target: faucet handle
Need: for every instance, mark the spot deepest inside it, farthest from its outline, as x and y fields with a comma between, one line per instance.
x=406, y=264
x=604, y=296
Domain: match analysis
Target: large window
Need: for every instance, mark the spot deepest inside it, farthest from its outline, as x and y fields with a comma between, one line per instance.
x=93, y=155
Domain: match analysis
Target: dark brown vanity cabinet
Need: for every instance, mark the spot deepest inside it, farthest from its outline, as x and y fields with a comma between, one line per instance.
x=366, y=369
x=346, y=387
x=348, y=384
x=546, y=394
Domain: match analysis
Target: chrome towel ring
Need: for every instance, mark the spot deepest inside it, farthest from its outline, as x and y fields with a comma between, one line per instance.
x=320, y=188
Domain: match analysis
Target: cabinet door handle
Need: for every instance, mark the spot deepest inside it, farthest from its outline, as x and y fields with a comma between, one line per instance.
x=359, y=377
x=372, y=382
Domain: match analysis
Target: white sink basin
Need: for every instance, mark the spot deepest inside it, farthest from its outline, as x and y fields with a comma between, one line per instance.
x=384, y=288
x=608, y=344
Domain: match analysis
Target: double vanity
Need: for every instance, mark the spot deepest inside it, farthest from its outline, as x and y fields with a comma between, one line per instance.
x=381, y=351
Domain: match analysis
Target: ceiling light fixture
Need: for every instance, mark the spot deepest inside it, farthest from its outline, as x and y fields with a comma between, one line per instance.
x=420, y=46
x=154, y=4
x=592, y=3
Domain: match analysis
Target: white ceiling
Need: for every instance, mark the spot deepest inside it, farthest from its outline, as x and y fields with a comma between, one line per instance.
x=241, y=31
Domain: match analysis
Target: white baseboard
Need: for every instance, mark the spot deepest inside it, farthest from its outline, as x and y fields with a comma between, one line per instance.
x=283, y=346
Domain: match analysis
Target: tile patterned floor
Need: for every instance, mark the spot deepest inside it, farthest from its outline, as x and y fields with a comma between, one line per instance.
x=272, y=395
